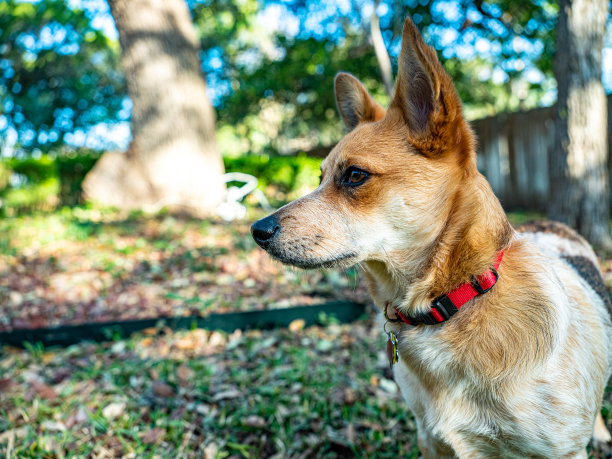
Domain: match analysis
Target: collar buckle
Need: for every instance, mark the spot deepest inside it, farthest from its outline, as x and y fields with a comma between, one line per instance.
x=476, y=285
x=444, y=305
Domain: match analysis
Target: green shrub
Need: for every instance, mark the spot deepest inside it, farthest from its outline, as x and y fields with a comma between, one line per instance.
x=289, y=175
x=71, y=169
x=50, y=181
x=5, y=175
x=28, y=184
x=44, y=182
x=35, y=196
x=35, y=170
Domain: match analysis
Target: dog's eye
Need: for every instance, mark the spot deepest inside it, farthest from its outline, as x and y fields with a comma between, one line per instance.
x=355, y=177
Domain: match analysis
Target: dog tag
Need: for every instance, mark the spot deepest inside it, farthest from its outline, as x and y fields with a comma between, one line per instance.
x=392, y=349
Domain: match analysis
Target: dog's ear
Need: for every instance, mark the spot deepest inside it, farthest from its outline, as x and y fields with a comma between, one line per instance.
x=426, y=96
x=354, y=102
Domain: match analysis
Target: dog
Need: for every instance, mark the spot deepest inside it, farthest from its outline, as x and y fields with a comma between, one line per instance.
x=500, y=339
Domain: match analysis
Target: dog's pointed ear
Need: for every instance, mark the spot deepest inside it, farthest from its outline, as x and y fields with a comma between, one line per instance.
x=424, y=92
x=354, y=102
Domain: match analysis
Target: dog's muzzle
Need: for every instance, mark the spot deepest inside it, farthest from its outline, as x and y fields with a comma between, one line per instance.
x=265, y=230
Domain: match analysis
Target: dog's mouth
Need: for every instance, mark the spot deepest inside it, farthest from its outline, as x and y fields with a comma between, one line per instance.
x=307, y=251
x=344, y=260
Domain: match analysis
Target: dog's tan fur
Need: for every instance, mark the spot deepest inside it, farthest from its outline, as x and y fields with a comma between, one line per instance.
x=517, y=372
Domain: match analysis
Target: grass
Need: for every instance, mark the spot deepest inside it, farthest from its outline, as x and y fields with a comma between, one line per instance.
x=82, y=265
x=315, y=392
x=323, y=392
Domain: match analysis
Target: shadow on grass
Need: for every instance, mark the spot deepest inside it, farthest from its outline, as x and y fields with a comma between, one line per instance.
x=74, y=270
x=314, y=392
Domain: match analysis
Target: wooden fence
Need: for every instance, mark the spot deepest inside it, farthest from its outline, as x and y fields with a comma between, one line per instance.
x=513, y=152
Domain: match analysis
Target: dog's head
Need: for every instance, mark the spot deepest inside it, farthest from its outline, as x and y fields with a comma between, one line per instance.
x=388, y=187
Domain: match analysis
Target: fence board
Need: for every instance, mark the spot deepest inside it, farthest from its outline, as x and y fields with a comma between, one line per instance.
x=513, y=154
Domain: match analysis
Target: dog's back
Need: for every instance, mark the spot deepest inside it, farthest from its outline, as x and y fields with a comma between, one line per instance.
x=557, y=240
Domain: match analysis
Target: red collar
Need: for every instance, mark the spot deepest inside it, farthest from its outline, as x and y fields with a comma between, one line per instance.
x=446, y=305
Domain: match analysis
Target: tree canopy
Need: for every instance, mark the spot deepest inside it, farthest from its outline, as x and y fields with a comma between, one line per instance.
x=269, y=64
x=58, y=74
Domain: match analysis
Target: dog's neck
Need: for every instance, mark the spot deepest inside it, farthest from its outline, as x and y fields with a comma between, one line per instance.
x=476, y=228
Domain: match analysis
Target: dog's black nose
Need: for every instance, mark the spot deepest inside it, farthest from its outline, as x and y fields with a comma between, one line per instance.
x=264, y=230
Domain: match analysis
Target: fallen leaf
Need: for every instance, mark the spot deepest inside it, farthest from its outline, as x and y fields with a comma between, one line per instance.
x=114, y=410
x=204, y=409
x=350, y=433
x=44, y=390
x=19, y=433
x=227, y=394
x=53, y=426
x=350, y=396
x=324, y=345
x=6, y=384
x=153, y=436
x=47, y=357
x=388, y=386
x=186, y=343
x=77, y=418
x=216, y=339
x=254, y=421
x=184, y=373
x=210, y=451
x=297, y=325
x=161, y=389
x=118, y=347
x=61, y=374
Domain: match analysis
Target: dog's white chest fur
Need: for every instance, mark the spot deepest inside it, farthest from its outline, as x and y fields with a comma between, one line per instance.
x=544, y=411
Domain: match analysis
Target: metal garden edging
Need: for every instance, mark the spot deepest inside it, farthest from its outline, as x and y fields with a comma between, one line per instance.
x=342, y=311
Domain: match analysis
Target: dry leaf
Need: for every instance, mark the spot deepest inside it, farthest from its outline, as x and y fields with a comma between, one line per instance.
x=53, y=426
x=6, y=384
x=187, y=343
x=153, y=436
x=254, y=421
x=210, y=451
x=79, y=417
x=350, y=396
x=350, y=433
x=227, y=394
x=184, y=373
x=297, y=325
x=388, y=386
x=18, y=433
x=114, y=410
x=161, y=389
x=216, y=339
x=44, y=390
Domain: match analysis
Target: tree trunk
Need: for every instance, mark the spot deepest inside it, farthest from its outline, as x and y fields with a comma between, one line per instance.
x=382, y=56
x=172, y=159
x=578, y=166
